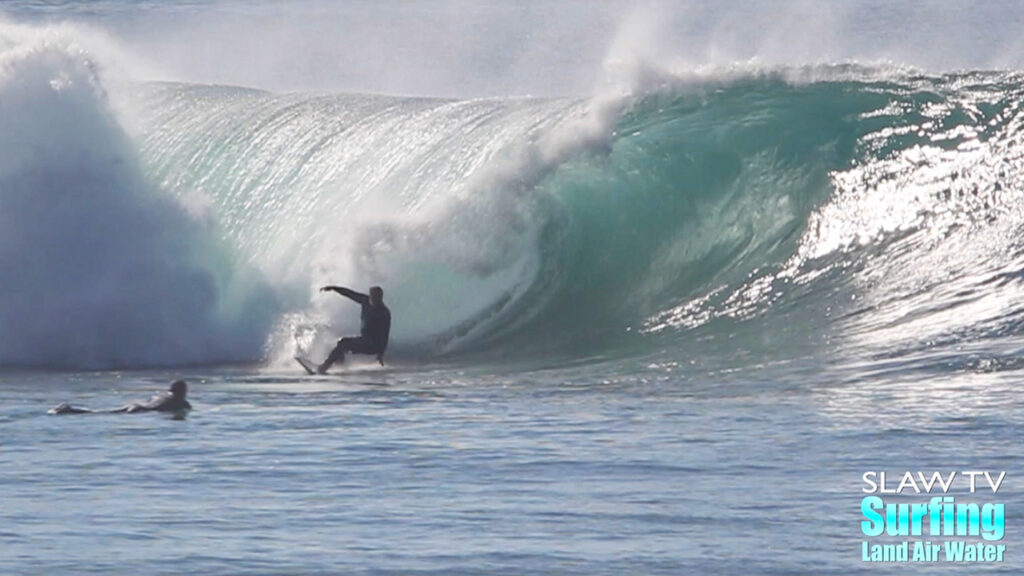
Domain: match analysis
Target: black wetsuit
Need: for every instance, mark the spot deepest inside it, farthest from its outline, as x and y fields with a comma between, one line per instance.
x=373, y=334
x=376, y=324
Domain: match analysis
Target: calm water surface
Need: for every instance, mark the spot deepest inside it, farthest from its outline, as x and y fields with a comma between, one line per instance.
x=467, y=472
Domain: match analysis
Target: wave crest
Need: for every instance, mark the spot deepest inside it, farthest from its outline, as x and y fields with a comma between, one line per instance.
x=100, y=267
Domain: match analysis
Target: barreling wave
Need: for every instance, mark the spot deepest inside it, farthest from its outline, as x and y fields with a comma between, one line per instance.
x=846, y=209
x=841, y=207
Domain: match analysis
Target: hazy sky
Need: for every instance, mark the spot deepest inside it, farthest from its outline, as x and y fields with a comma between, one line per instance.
x=535, y=47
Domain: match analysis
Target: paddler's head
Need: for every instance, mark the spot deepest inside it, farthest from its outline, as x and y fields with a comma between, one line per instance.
x=179, y=389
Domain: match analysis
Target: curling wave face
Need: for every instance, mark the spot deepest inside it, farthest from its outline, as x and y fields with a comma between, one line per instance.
x=850, y=209
x=835, y=209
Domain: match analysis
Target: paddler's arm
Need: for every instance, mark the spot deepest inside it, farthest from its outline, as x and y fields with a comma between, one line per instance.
x=357, y=297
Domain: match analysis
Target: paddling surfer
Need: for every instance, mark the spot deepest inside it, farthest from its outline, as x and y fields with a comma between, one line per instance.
x=171, y=401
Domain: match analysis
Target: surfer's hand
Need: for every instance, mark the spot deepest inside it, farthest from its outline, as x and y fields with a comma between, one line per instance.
x=328, y=289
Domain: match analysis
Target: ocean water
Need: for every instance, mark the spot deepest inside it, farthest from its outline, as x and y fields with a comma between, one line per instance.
x=660, y=300
x=446, y=471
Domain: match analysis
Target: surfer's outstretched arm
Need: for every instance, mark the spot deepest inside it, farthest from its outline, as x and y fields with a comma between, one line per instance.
x=358, y=297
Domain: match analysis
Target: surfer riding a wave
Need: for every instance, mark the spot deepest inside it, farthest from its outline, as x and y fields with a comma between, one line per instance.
x=375, y=330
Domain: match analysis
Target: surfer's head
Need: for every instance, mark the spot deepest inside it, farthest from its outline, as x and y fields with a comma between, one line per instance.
x=179, y=389
x=376, y=296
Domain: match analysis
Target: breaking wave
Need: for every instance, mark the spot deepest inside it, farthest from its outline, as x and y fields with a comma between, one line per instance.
x=849, y=209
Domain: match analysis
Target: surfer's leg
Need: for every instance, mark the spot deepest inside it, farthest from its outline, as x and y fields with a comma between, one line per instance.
x=361, y=346
x=65, y=408
x=336, y=355
x=129, y=408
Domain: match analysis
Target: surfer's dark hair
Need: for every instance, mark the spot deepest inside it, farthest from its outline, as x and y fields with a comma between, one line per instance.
x=179, y=387
x=377, y=289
